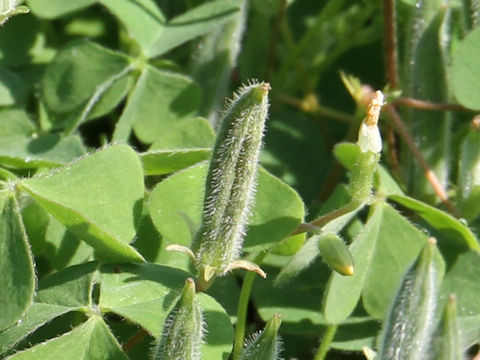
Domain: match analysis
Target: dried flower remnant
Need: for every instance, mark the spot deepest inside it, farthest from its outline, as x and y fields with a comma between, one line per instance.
x=369, y=138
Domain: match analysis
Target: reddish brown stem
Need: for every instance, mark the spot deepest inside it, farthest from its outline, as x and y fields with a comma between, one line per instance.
x=427, y=105
x=429, y=174
x=134, y=340
x=390, y=41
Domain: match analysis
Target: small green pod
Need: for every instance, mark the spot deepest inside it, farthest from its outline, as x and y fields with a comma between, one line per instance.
x=335, y=253
x=469, y=173
x=183, y=330
x=231, y=183
x=408, y=329
x=267, y=344
x=370, y=144
x=448, y=344
x=361, y=181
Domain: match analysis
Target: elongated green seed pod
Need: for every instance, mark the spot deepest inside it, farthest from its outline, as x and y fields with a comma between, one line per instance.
x=408, y=329
x=448, y=346
x=230, y=185
x=335, y=253
x=183, y=331
x=469, y=173
x=267, y=344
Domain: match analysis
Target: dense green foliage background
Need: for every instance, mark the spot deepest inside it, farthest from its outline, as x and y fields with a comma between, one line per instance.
x=108, y=113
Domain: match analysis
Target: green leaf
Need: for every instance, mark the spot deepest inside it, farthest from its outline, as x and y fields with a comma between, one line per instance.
x=461, y=280
x=16, y=264
x=142, y=18
x=15, y=122
x=219, y=339
x=347, y=154
x=12, y=9
x=91, y=340
x=62, y=292
x=180, y=196
x=382, y=252
x=63, y=248
x=398, y=245
x=186, y=143
x=214, y=59
x=98, y=198
x=71, y=287
x=195, y=22
x=453, y=230
x=191, y=133
x=13, y=89
x=309, y=251
x=470, y=330
x=469, y=173
x=37, y=315
x=465, y=69
x=143, y=293
x=35, y=220
x=426, y=78
x=355, y=333
x=160, y=162
x=50, y=9
x=49, y=150
x=160, y=99
x=343, y=293
x=80, y=74
x=298, y=301
x=385, y=184
x=21, y=39
x=146, y=293
x=277, y=211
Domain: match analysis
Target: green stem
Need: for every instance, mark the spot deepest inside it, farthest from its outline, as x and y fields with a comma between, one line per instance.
x=326, y=341
x=239, y=336
x=325, y=219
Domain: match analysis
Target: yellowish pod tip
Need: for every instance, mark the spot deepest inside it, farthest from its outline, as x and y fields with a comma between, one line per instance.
x=336, y=253
x=348, y=270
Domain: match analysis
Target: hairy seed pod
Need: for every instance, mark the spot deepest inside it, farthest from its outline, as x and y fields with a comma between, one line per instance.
x=267, y=344
x=335, y=253
x=183, y=331
x=231, y=181
x=408, y=329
